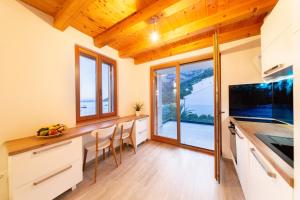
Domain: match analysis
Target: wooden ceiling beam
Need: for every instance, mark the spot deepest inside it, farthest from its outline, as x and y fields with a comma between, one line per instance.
x=168, y=14
x=68, y=12
x=237, y=13
x=197, y=42
x=144, y=14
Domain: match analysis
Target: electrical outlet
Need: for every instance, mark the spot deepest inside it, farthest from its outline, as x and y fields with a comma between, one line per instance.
x=3, y=176
x=3, y=185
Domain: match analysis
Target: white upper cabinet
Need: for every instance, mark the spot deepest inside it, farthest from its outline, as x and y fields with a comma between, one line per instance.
x=276, y=33
x=296, y=15
x=276, y=22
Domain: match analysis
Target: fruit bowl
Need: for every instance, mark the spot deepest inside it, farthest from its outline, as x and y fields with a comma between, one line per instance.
x=50, y=136
x=51, y=131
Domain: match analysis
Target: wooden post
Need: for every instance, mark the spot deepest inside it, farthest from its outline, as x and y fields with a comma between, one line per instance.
x=217, y=104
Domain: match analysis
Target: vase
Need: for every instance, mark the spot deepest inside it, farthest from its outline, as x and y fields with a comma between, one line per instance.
x=137, y=113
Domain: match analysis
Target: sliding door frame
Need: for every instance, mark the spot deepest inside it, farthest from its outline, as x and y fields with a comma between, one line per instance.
x=154, y=107
x=176, y=64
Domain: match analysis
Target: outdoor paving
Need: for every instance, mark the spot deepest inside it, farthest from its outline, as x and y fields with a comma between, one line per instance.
x=198, y=135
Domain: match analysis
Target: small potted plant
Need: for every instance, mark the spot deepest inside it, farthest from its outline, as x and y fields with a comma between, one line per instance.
x=138, y=107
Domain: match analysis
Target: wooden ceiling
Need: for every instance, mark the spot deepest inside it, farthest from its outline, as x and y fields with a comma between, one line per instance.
x=183, y=25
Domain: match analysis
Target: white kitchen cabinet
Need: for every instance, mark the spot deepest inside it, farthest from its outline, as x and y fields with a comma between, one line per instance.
x=258, y=179
x=276, y=22
x=278, y=53
x=296, y=15
x=276, y=35
x=141, y=130
x=264, y=182
x=242, y=160
x=46, y=172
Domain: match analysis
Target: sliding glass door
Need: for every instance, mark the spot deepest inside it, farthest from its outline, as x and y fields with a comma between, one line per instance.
x=165, y=103
x=197, y=104
x=183, y=103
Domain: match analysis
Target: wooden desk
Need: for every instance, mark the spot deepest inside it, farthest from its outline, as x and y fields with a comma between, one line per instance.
x=30, y=143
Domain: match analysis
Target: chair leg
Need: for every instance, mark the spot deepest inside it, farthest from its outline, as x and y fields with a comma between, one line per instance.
x=104, y=154
x=114, y=154
x=96, y=166
x=131, y=140
x=84, y=159
x=121, y=149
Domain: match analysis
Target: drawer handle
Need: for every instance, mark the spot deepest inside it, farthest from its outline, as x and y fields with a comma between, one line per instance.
x=140, y=132
x=53, y=147
x=239, y=135
x=273, y=68
x=52, y=175
x=271, y=174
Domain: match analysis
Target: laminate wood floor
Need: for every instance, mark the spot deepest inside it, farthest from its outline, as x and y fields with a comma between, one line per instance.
x=158, y=172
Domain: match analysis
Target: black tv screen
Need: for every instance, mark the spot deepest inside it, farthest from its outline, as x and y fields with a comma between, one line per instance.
x=263, y=100
x=283, y=101
x=251, y=100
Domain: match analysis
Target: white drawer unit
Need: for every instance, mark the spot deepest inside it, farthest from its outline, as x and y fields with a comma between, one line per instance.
x=264, y=181
x=242, y=160
x=52, y=184
x=47, y=171
x=141, y=130
x=258, y=178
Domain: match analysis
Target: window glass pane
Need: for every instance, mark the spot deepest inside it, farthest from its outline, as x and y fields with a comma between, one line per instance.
x=107, y=88
x=197, y=104
x=165, y=103
x=87, y=86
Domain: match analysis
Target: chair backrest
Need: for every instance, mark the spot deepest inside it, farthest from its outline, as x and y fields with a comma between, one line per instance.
x=127, y=126
x=104, y=133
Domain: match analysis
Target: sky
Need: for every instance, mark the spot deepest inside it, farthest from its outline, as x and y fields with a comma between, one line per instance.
x=88, y=79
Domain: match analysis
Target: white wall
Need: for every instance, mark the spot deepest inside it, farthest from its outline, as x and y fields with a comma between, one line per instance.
x=238, y=66
x=37, y=73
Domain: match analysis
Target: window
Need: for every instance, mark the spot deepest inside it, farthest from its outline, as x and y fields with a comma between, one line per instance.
x=95, y=85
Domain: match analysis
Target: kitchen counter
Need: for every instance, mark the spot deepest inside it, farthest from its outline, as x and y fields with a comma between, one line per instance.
x=249, y=129
x=30, y=143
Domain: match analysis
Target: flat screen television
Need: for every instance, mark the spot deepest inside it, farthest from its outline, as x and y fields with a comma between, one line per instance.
x=263, y=100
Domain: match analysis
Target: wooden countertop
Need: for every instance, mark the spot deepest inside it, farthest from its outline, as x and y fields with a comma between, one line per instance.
x=251, y=128
x=21, y=145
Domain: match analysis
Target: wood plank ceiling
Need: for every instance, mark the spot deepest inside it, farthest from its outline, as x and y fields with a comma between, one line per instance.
x=183, y=25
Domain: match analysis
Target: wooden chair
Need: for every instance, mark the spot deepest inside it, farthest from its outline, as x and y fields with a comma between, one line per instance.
x=103, y=140
x=124, y=132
